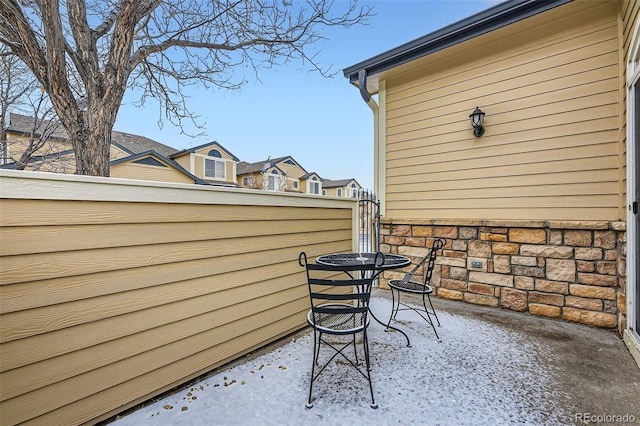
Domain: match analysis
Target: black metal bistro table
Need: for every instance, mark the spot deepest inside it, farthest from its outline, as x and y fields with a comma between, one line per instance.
x=380, y=261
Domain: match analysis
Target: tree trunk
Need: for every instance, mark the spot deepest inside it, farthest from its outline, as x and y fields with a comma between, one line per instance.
x=91, y=143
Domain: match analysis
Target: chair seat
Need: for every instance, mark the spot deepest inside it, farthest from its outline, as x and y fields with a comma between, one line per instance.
x=338, y=323
x=410, y=286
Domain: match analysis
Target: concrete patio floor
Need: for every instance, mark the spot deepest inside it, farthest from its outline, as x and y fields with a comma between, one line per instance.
x=493, y=367
x=593, y=366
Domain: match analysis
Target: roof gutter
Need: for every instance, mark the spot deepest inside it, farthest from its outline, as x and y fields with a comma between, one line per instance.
x=476, y=25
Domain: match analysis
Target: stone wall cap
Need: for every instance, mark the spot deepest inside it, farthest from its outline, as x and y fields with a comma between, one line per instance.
x=458, y=222
x=394, y=221
x=619, y=226
x=515, y=223
x=578, y=224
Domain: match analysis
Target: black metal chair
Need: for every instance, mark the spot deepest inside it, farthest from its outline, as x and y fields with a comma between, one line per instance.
x=408, y=285
x=340, y=307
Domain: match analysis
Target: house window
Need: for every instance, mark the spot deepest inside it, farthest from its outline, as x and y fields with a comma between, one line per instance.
x=245, y=181
x=273, y=183
x=314, y=187
x=354, y=191
x=214, y=168
x=339, y=192
x=296, y=184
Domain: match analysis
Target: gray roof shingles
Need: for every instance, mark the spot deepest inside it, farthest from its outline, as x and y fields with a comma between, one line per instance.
x=133, y=144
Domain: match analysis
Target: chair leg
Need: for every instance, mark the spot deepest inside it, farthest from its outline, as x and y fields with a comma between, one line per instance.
x=428, y=318
x=433, y=310
x=365, y=343
x=397, y=307
x=394, y=311
x=316, y=353
x=394, y=307
x=355, y=350
x=314, y=361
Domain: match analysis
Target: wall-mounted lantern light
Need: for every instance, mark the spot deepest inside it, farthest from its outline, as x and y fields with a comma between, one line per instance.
x=477, y=118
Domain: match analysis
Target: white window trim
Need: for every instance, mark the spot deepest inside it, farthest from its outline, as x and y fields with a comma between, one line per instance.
x=278, y=181
x=216, y=160
x=311, y=183
x=352, y=192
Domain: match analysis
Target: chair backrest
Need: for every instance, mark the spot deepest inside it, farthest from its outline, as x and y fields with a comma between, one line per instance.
x=429, y=261
x=348, y=285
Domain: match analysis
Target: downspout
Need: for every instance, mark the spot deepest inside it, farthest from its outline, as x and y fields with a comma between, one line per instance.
x=378, y=159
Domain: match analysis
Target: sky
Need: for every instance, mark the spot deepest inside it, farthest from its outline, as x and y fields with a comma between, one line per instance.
x=322, y=123
x=467, y=379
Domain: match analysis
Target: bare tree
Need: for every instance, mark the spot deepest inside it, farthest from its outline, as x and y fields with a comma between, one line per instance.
x=86, y=54
x=21, y=92
x=15, y=84
x=41, y=127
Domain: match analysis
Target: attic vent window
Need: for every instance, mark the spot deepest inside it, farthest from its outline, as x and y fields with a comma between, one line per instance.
x=215, y=153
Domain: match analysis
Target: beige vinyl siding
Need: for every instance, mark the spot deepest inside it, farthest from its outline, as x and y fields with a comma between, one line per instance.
x=630, y=10
x=185, y=162
x=17, y=144
x=214, y=146
x=291, y=171
x=116, y=153
x=131, y=170
x=229, y=171
x=52, y=162
x=198, y=163
x=332, y=192
x=549, y=87
x=113, y=291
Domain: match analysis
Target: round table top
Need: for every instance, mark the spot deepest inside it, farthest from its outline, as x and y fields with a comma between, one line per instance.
x=391, y=261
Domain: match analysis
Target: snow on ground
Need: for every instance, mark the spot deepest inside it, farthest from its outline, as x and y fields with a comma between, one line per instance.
x=480, y=374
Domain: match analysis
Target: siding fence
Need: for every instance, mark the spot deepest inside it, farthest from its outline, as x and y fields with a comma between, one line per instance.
x=113, y=291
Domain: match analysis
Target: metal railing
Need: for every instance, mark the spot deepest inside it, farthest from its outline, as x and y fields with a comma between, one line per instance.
x=369, y=223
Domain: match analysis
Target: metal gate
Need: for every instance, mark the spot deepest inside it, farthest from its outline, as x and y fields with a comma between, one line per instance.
x=369, y=227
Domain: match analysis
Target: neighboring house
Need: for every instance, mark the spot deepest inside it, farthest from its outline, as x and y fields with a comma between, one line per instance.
x=138, y=157
x=269, y=175
x=150, y=165
x=540, y=212
x=210, y=162
x=55, y=156
x=282, y=174
x=311, y=183
x=344, y=188
x=127, y=154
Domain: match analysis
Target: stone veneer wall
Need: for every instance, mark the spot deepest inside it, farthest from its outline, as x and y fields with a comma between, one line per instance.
x=570, y=270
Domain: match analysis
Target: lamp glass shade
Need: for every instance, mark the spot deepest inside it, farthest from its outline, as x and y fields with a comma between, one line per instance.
x=477, y=117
